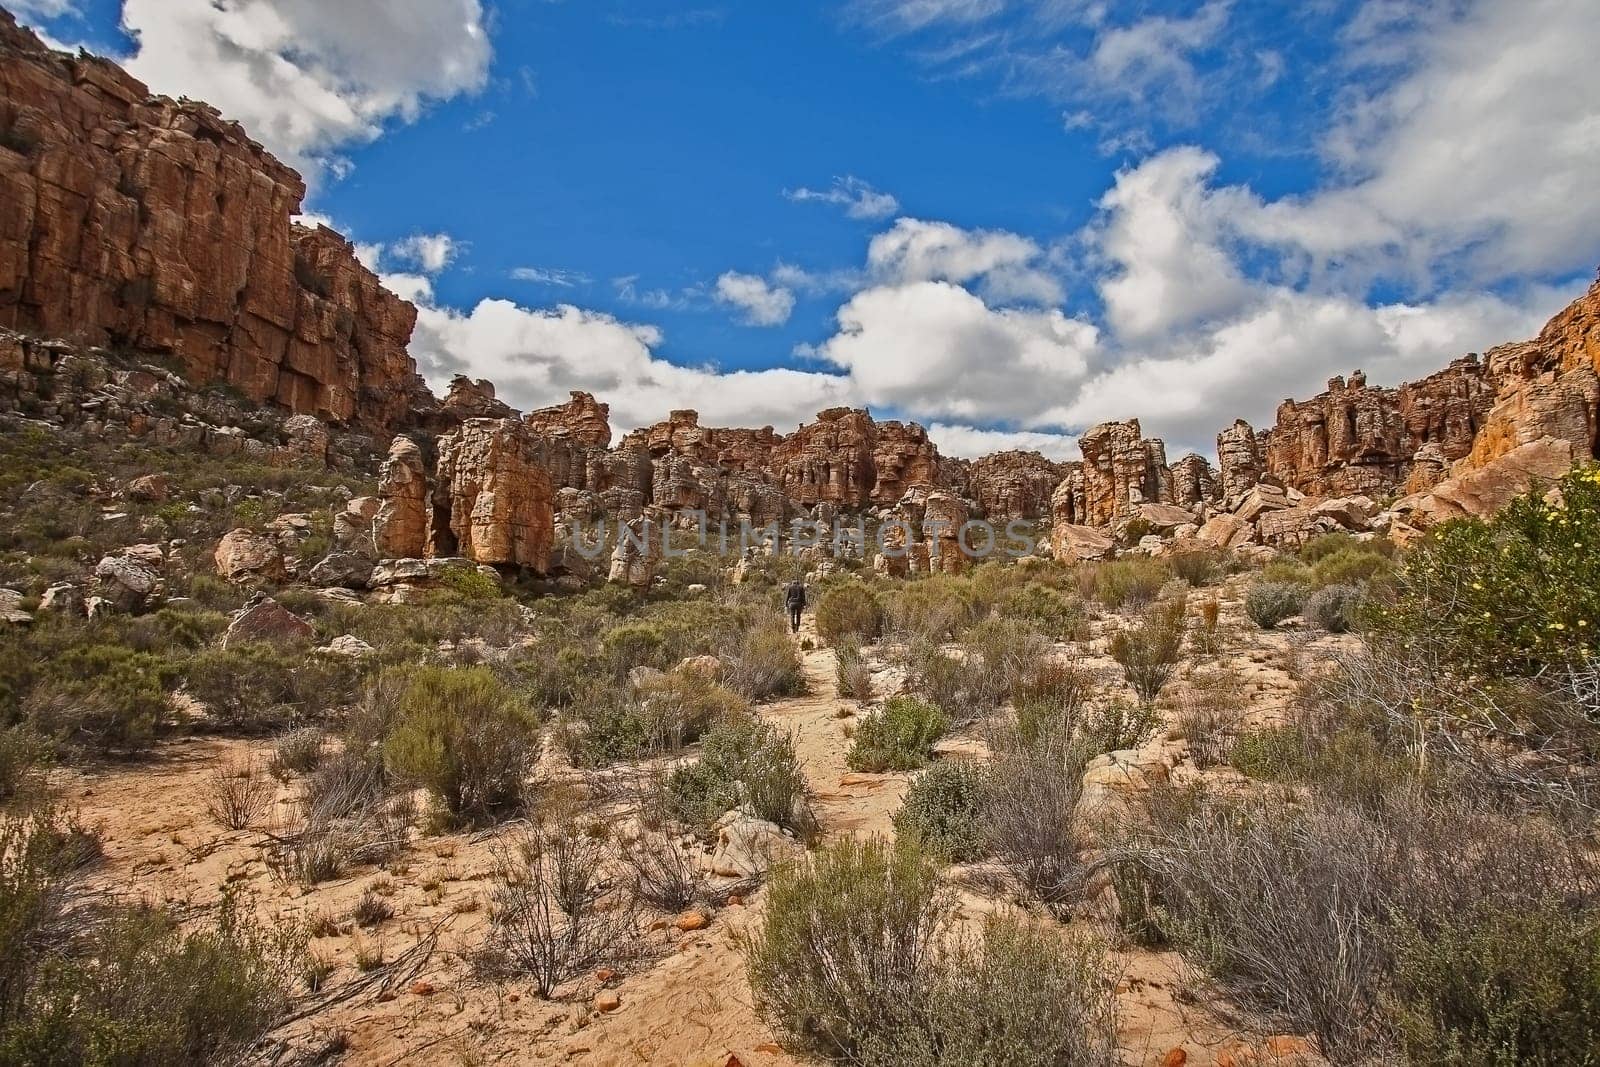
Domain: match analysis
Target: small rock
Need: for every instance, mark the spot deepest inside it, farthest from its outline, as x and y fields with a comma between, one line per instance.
x=349, y=647
x=691, y=920
x=422, y=988
x=152, y=488
x=1175, y=1057
x=608, y=1000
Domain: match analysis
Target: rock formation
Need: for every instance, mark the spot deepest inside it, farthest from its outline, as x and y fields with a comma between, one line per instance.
x=1013, y=485
x=134, y=220
x=492, y=500
x=1121, y=470
x=400, y=528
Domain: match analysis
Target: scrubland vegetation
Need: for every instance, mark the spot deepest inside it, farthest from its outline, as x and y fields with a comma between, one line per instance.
x=1393, y=857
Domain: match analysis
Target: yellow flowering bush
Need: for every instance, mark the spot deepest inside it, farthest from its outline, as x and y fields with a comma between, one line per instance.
x=1513, y=595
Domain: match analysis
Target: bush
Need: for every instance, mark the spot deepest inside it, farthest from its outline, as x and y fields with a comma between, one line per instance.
x=239, y=796
x=842, y=952
x=1150, y=651
x=680, y=706
x=258, y=687
x=1021, y=995
x=930, y=610
x=1269, y=603
x=543, y=916
x=762, y=662
x=1049, y=611
x=100, y=698
x=944, y=811
x=23, y=758
x=1512, y=596
x=1351, y=566
x=855, y=961
x=849, y=610
x=1120, y=725
x=297, y=752
x=900, y=737
x=742, y=762
x=1050, y=701
x=1032, y=824
x=1199, y=566
x=465, y=737
x=1131, y=582
x=1333, y=608
x=851, y=672
x=1500, y=987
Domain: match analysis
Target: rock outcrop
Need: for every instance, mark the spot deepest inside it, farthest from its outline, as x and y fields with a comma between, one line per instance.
x=1121, y=470
x=400, y=528
x=1013, y=485
x=492, y=499
x=151, y=224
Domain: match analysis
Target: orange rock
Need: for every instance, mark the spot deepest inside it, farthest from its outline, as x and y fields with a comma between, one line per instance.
x=1175, y=1057
x=691, y=920
x=422, y=988
x=1238, y=1055
x=608, y=1000
x=771, y=1048
x=1286, y=1045
x=604, y=974
x=734, y=900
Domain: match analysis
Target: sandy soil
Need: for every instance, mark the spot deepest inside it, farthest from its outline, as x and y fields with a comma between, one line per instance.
x=687, y=1004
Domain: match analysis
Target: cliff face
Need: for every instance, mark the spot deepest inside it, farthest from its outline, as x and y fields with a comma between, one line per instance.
x=136, y=221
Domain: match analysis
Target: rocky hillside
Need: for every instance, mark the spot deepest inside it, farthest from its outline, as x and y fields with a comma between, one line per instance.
x=140, y=222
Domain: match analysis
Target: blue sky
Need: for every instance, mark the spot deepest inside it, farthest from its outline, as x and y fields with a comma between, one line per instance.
x=1008, y=219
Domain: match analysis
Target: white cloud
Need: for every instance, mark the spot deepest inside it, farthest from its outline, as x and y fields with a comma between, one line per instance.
x=417, y=288
x=535, y=357
x=307, y=76
x=1152, y=55
x=968, y=442
x=761, y=304
x=1476, y=165
x=557, y=276
x=44, y=9
x=430, y=252
x=859, y=200
x=1162, y=236
x=933, y=349
x=1006, y=266
x=904, y=16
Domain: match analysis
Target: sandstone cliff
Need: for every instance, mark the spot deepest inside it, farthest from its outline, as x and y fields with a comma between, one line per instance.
x=140, y=222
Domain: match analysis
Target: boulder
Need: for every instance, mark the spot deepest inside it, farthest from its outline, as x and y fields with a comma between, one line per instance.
x=11, y=608
x=1073, y=543
x=1484, y=491
x=130, y=580
x=343, y=569
x=748, y=846
x=264, y=619
x=246, y=557
x=62, y=598
x=1226, y=532
x=1165, y=518
x=399, y=527
x=150, y=488
x=346, y=646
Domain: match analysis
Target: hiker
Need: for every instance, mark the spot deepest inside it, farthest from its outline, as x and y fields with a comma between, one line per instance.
x=794, y=598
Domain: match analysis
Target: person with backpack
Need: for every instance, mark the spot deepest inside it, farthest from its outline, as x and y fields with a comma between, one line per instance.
x=794, y=598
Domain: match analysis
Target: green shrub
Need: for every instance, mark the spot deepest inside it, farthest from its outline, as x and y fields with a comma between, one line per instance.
x=944, y=810
x=851, y=672
x=1500, y=987
x=140, y=992
x=1019, y=995
x=1351, y=566
x=1051, y=699
x=633, y=645
x=679, y=706
x=933, y=609
x=855, y=961
x=842, y=952
x=466, y=737
x=1268, y=603
x=1149, y=652
x=1515, y=595
x=259, y=687
x=742, y=762
x=23, y=757
x=900, y=737
x=1199, y=566
x=1130, y=582
x=1049, y=611
x=1334, y=607
x=849, y=610
x=99, y=698
x=469, y=583
x=761, y=661
x=1120, y=725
